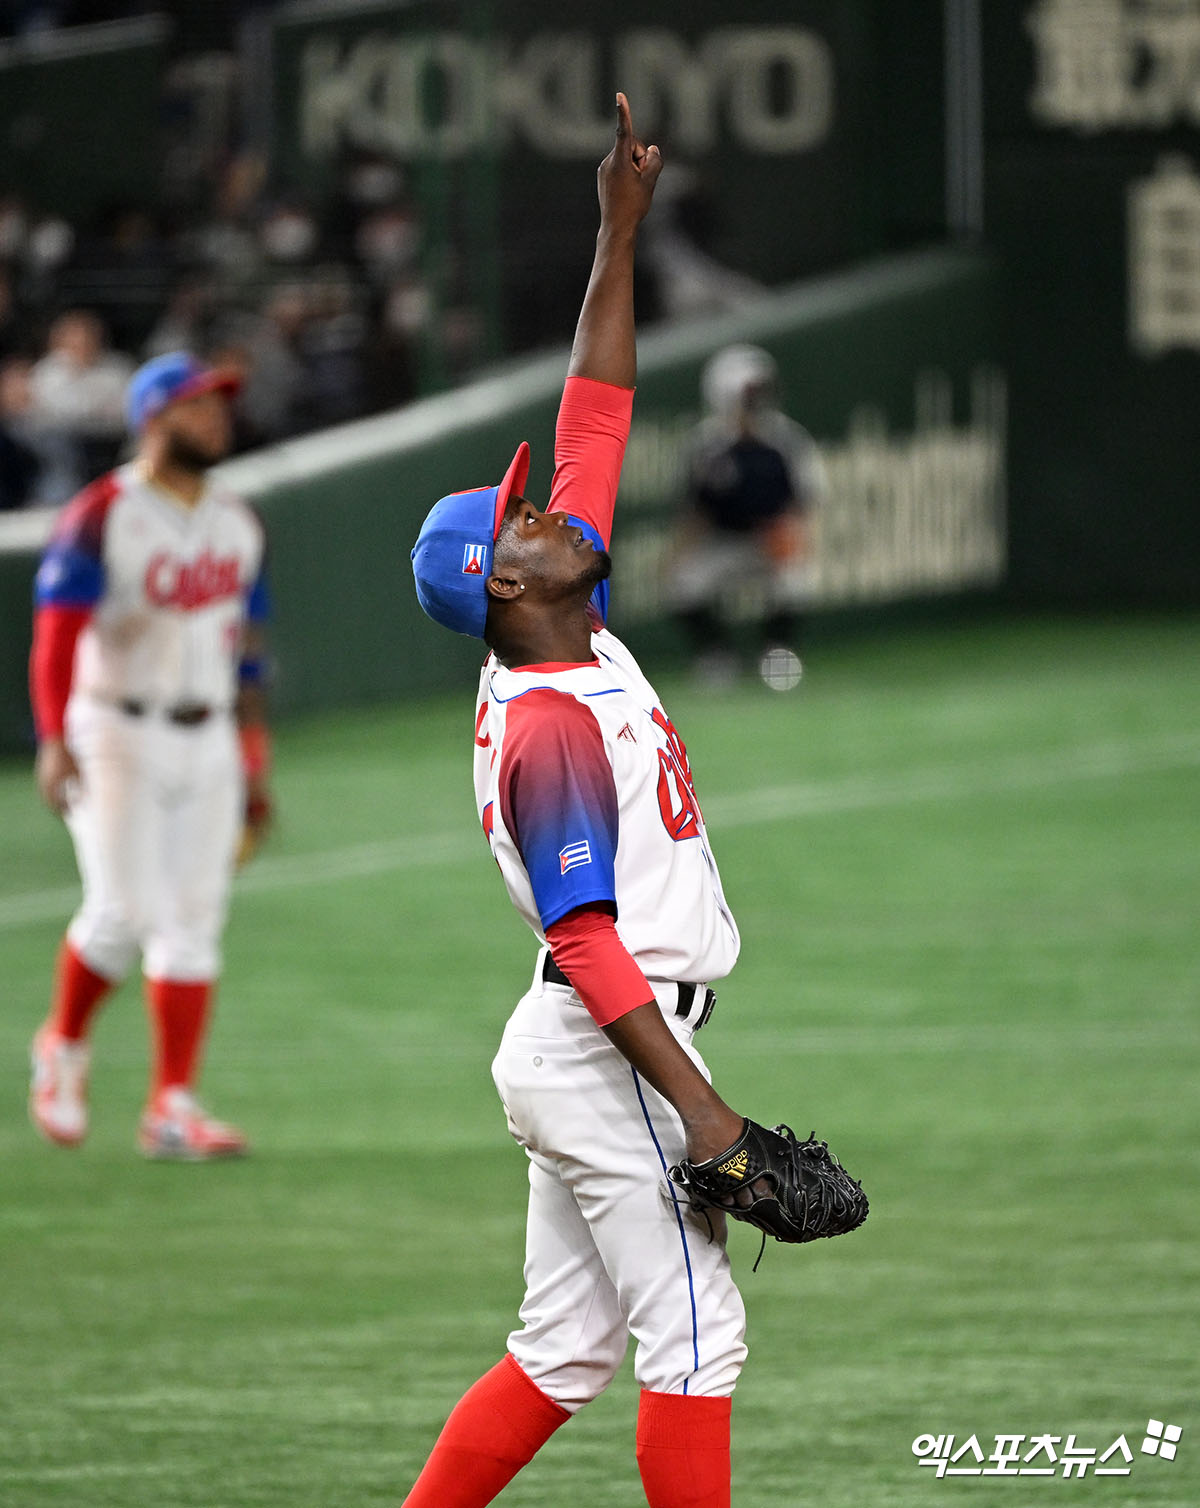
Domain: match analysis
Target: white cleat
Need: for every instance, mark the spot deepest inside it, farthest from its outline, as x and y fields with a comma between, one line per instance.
x=175, y=1126
x=58, y=1088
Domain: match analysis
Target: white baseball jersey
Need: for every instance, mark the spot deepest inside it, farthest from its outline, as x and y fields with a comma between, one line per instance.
x=170, y=588
x=585, y=793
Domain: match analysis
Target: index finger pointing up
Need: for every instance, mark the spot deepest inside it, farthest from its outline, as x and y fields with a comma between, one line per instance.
x=624, y=123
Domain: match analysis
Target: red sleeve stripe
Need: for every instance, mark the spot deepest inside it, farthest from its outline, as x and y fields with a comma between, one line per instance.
x=589, y=446
x=604, y=974
x=56, y=631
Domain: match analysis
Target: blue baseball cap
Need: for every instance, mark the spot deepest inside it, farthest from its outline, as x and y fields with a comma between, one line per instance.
x=167, y=379
x=452, y=558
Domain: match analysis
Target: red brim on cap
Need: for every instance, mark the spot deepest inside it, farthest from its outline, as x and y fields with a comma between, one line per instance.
x=216, y=380
x=514, y=483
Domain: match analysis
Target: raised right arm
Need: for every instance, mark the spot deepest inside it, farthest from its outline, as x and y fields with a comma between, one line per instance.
x=593, y=420
x=605, y=347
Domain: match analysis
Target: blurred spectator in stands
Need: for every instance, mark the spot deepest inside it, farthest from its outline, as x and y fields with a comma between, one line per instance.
x=13, y=335
x=79, y=387
x=752, y=478
x=39, y=463
x=688, y=279
x=388, y=242
x=33, y=248
x=288, y=235
x=14, y=223
x=332, y=349
x=123, y=269
x=275, y=403
x=18, y=464
x=405, y=314
x=224, y=243
x=49, y=242
x=366, y=182
x=187, y=321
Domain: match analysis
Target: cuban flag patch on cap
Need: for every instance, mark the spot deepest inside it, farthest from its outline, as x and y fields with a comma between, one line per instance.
x=574, y=855
x=474, y=560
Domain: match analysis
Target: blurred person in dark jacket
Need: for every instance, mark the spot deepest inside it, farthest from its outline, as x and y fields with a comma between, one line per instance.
x=753, y=478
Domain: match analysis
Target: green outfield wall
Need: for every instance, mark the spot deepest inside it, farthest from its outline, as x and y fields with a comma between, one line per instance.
x=892, y=367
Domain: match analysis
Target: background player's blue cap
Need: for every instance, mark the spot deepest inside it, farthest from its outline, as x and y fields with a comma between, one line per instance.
x=166, y=379
x=452, y=558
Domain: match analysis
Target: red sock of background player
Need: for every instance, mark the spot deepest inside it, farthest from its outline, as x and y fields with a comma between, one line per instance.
x=178, y=1011
x=683, y=1450
x=78, y=991
x=497, y=1426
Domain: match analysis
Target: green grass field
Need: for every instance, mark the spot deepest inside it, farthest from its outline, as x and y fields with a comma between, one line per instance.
x=966, y=863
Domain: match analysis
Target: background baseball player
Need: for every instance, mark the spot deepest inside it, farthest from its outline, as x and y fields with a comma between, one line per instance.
x=753, y=477
x=586, y=797
x=147, y=662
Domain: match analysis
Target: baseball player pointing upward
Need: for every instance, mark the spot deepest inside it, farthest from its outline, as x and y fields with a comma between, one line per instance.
x=147, y=657
x=585, y=794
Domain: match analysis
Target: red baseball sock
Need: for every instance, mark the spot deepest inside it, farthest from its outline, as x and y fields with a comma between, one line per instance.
x=78, y=990
x=683, y=1450
x=497, y=1427
x=179, y=1011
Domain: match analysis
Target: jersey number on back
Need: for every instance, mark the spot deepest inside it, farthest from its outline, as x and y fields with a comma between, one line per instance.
x=676, y=796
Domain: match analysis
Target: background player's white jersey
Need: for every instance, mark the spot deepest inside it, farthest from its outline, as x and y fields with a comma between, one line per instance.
x=585, y=794
x=170, y=587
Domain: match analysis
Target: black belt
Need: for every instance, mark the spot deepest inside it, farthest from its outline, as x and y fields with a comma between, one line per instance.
x=186, y=714
x=552, y=974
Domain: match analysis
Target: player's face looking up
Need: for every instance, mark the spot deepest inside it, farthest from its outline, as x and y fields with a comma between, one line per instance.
x=546, y=556
x=196, y=432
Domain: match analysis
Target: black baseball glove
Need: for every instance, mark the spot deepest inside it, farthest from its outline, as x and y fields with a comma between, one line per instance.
x=792, y=1190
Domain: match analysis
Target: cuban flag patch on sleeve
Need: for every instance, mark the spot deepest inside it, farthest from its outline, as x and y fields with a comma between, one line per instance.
x=474, y=560
x=574, y=855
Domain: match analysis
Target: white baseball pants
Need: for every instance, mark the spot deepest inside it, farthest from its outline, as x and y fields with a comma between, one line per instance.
x=738, y=566
x=611, y=1251
x=155, y=823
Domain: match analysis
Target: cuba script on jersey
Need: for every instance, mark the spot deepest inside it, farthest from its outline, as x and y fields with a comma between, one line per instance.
x=585, y=794
x=170, y=588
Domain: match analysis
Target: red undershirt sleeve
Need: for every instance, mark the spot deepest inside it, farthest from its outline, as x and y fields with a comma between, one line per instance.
x=585, y=946
x=589, y=446
x=56, y=630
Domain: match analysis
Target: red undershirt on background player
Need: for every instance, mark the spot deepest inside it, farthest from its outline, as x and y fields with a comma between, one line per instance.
x=585, y=794
x=146, y=680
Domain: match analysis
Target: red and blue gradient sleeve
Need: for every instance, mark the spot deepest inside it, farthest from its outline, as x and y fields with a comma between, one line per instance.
x=71, y=573
x=559, y=801
x=68, y=585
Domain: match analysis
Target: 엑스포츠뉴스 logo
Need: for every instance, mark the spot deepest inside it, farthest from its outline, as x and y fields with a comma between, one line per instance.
x=1042, y=1455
